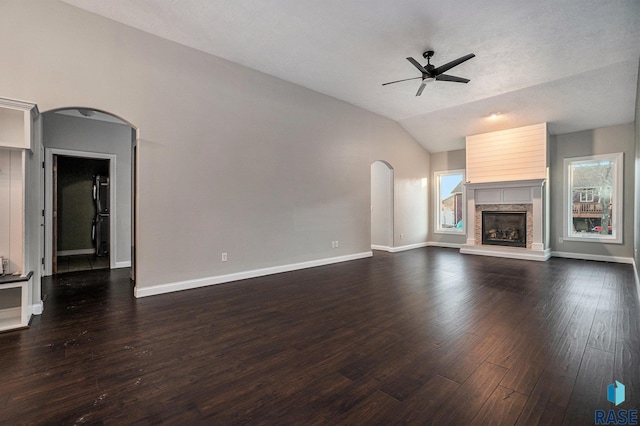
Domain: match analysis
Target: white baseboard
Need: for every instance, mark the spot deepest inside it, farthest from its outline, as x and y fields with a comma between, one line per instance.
x=75, y=252
x=125, y=264
x=36, y=308
x=382, y=248
x=220, y=279
x=443, y=244
x=407, y=247
x=597, y=257
x=635, y=269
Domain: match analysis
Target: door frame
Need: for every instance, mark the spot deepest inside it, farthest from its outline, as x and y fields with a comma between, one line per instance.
x=48, y=202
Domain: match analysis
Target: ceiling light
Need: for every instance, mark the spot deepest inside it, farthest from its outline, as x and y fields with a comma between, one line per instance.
x=86, y=112
x=495, y=115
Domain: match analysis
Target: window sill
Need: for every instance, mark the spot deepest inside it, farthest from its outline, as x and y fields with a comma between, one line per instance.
x=590, y=239
x=452, y=232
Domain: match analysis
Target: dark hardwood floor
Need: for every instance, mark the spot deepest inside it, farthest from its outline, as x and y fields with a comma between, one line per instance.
x=426, y=336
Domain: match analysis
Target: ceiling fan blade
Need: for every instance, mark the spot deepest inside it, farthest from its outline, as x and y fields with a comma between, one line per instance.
x=445, y=77
x=449, y=65
x=417, y=65
x=398, y=81
x=421, y=88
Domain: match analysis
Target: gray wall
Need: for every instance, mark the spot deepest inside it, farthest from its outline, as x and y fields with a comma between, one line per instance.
x=591, y=142
x=81, y=134
x=230, y=159
x=381, y=204
x=444, y=161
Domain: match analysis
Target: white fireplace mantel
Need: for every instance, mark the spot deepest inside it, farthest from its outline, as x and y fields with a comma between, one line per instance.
x=532, y=191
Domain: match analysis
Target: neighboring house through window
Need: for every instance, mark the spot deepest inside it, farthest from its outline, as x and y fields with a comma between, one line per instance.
x=593, y=198
x=450, y=202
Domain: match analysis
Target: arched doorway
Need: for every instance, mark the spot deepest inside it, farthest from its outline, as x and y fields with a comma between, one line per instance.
x=82, y=137
x=382, y=185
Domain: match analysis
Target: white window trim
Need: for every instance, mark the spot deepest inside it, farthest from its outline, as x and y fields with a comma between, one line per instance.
x=436, y=179
x=617, y=195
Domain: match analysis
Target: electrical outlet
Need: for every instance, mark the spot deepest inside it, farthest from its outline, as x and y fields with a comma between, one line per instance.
x=337, y=244
x=224, y=257
x=560, y=240
x=402, y=236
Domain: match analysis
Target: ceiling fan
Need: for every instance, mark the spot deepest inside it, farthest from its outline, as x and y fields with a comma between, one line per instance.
x=431, y=73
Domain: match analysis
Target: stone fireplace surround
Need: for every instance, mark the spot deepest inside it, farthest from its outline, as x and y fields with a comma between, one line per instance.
x=523, y=195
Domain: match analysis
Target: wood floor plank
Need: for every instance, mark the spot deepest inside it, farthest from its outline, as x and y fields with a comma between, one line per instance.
x=567, y=352
x=426, y=400
x=475, y=391
x=502, y=408
x=603, y=331
x=378, y=409
x=548, y=401
x=590, y=388
x=627, y=371
x=426, y=336
x=464, y=362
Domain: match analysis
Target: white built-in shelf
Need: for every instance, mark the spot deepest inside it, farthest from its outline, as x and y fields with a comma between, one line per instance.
x=15, y=316
x=16, y=123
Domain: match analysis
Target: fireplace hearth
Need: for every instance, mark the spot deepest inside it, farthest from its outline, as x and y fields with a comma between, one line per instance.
x=504, y=228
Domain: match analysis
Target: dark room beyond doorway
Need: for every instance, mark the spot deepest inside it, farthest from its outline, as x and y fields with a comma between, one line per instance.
x=82, y=223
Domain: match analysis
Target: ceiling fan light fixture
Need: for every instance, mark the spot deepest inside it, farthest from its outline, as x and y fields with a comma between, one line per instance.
x=432, y=73
x=86, y=112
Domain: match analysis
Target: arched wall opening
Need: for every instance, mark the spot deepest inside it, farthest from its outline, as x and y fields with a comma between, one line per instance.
x=382, y=211
x=92, y=134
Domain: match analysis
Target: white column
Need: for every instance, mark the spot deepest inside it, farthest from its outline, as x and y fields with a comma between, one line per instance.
x=471, y=216
x=538, y=217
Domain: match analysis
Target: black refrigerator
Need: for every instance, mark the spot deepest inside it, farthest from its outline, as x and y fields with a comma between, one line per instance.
x=101, y=221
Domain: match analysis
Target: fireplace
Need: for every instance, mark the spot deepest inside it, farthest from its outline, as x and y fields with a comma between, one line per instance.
x=525, y=203
x=504, y=228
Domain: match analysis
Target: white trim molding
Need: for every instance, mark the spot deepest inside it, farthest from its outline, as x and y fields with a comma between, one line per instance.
x=221, y=279
x=596, y=257
x=381, y=248
x=407, y=247
x=36, y=308
x=637, y=275
x=123, y=264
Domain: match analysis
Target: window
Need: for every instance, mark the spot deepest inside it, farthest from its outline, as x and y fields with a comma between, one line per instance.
x=450, y=201
x=586, y=195
x=593, y=198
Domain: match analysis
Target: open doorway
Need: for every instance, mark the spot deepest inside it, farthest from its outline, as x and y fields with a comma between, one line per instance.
x=87, y=149
x=81, y=213
x=381, y=206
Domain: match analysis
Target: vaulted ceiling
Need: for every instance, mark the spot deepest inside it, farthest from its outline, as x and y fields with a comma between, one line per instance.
x=571, y=63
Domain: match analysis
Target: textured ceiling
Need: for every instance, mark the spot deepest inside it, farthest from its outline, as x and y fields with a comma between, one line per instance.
x=572, y=63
